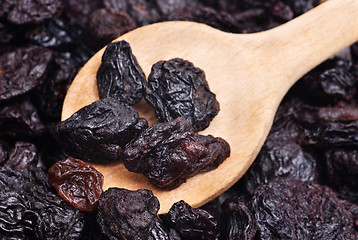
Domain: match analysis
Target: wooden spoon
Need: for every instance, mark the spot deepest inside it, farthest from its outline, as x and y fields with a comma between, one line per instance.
x=250, y=74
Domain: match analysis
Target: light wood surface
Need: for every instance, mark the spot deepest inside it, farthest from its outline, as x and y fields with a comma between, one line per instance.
x=250, y=74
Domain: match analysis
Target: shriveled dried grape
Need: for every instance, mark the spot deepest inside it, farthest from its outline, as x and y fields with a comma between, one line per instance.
x=120, y=75
x=178, y=88
x=286, y=208
x=77, y=182
x=23, y=155
x=329, y=126
x=169, y=153
x=22, y=70
x=105, y=25
x=331, y=81
x=4, y=151
x=239, y=222
x=99, y=131
x=20, y=118
x=280, y=158
x=30, y=209
x=138, y=220
x=192, y=223
x=29, y=11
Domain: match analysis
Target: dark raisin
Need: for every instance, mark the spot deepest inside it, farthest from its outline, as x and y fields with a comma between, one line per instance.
x=178, y=88
x=23, y=155
x=192, y=223
x=20, y=119
x=30, y=209
x=99, y=131
x=239, y=222
x=105, y=25
x=143, y=12
x=4, y=151
x=120, y=75
x=138, y=220
x=29, y=11
x=77, y=182
x=78, y=11
x=56, y=34
x=22, y=70
x=286, y=208
x=280, y=158
x=331, y=81
x=341, y=170
x=329, y=126
x=169, y=153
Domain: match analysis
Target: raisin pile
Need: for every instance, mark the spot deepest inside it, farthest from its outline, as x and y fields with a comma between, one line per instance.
x=303, y=184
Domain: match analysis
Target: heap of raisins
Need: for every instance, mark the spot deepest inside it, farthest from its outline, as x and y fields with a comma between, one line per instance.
x=313, y=141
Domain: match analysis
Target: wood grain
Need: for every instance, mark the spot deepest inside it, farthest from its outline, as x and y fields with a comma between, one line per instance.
x=250, y=74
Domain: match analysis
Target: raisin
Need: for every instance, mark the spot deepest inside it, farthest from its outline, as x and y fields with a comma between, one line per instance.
x=239, y=221
x=143, y=12
x=22, y=70
x=23, y=155
x=331, y=81
x=280, y=158
x=20, y=118
x=192, y=223
x=99, y=131
x=137, y=220
x=169, y=153
x=341, y=169
x=120, y=75
x=30, y=209
x=329, y=126
x=29, y=11
x=287, y=208
x=105, y=25
x=56, y=34
x=177, y=88
x=77, y=182
x=78, y=11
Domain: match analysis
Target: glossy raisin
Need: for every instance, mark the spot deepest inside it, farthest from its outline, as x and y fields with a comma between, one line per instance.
x=239, y=222
x=23, y=155
x=169, y=153
x=30, y=209
x=29, y=11
x=286, y=208
x=192, y=223
x=22, y=70
x=99, y=131
x=106, y=25
x=120, y=75
x=77, y=182
x=20, y=118
x=137, y=220
x=178, y=88
x=280, y=158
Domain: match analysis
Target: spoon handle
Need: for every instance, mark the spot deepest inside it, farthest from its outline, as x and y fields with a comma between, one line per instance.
x=306, y=41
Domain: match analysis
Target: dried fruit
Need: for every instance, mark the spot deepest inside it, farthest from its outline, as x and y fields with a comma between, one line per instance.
x=30, y=209
x=99, y=131
x=179, y=89
x=22, y=70
x=192, y=223
x=169, y=153
x=120, y=75
x=286, y=208
x=137, y=220
x=77, y=182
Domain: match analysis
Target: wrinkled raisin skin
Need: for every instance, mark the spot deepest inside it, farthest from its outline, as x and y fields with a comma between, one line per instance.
x=120, y=75
x=178, y=88
x=99, y=131
x=169, y=153
x=77, y=182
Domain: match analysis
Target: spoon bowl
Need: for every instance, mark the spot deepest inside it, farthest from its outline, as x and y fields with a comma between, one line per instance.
x=249, y=73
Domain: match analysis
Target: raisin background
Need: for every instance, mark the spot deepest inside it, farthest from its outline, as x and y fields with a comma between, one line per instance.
x=312, y=144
